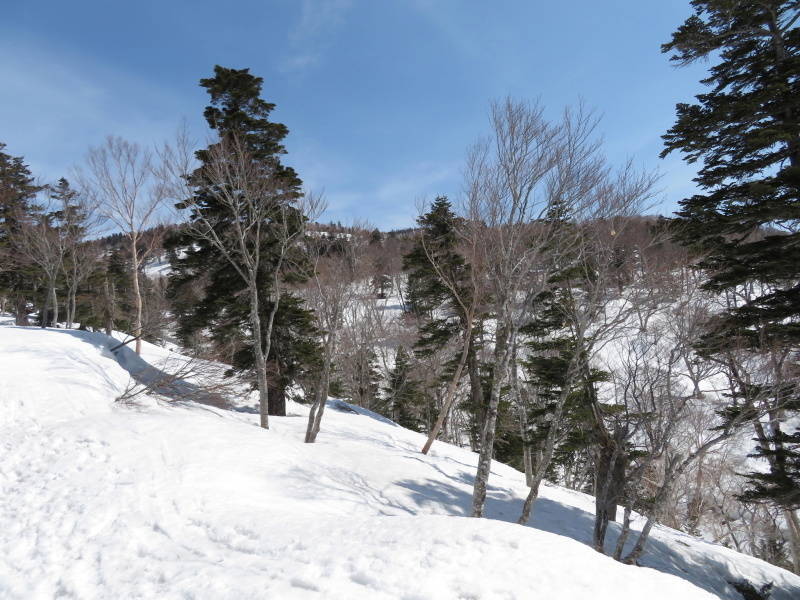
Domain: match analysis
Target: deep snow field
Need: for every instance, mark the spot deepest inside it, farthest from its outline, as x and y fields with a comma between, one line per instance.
x=183, y=500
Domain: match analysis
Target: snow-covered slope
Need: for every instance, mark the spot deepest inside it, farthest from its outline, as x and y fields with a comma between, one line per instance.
x=101, y=500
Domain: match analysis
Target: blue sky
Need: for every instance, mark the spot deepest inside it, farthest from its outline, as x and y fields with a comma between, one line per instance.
x=381, y=97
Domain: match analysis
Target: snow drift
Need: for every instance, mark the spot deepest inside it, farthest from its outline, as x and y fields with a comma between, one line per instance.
x=184, y=500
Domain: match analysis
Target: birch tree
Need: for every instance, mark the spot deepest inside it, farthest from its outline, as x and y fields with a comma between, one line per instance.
x=591, y=309
x=521, y=184
x=337, y=272
x=120, y=181
x=251, y=216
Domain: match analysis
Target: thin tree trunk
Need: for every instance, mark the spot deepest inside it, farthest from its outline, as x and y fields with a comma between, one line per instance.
x=502, y=357
x=527, y=458
x=318, y=409
x=70, y=307
x=451, y=389
x=661, y=497
x=478, y=400
x=523, y=430
x=54, y=302
x=610, y=481
x=638, y=549
x=794, y=539
x=321, y=398
x=610, y=469
x=544, y=462
x=137, y=294
x=623, y=535
x=72, y=291
x=261, y=362
x=268, y=336
x=45, y=314
x=672, y=470
x=45, y=311
x=110, y=294
x=73, y=307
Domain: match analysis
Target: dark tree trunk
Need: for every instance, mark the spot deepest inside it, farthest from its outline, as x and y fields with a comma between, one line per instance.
x=276, y=398
x=21, y=311
x=611, y=475
x=479, y=405
x=611, y=468
x=108, y=311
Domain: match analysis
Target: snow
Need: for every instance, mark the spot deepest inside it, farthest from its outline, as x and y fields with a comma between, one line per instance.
x=158, y=266
x=184, y=500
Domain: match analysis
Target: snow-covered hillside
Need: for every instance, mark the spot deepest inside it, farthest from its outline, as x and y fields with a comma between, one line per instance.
x=184, y=500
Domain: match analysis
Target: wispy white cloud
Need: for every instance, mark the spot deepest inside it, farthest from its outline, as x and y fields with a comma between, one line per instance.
x=55, y=103
x=308, y=39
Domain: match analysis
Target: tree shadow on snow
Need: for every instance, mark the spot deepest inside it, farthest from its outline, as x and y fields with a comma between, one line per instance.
x=712, y=573
x=456, y=496
x=342, y=406
x=172, y=380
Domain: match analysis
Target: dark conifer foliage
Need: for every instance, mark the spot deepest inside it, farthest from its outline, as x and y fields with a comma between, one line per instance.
x=778, y=485
x=426, y=290
x=746, y=133
x=550, y=351
x=407, y=399
x=208, y=293
x=745, y=224
x=237, y=110
x=17, y=190
x=118, y=307
x=434, y=264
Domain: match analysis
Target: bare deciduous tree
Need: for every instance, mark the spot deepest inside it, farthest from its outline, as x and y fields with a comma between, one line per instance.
x=527, y=188
x=120, y=182
x=82, y=257
x=339, y=267
x=41, y=237
x=255, y=224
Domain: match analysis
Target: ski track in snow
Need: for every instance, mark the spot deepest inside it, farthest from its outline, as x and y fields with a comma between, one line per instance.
x=100, y=500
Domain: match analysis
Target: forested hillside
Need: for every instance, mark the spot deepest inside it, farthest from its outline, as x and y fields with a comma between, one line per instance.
x=546, y=318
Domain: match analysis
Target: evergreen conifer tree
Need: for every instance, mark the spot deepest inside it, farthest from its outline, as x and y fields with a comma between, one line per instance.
x=434, y=257
x=745, y=132
x=119, y=307
x=406, y=397
x=16, y=192
x=212, y=296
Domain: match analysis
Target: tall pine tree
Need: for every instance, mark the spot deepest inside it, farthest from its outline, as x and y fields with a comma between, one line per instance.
x=746, y=133
x=17, y=190
x=230, y=290
x=745, y=222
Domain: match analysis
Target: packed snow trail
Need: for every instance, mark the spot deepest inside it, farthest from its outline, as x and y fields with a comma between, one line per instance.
x=157, y=500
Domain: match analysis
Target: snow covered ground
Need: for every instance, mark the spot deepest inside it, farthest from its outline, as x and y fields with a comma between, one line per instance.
x=184, y=500
x=157, y=266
